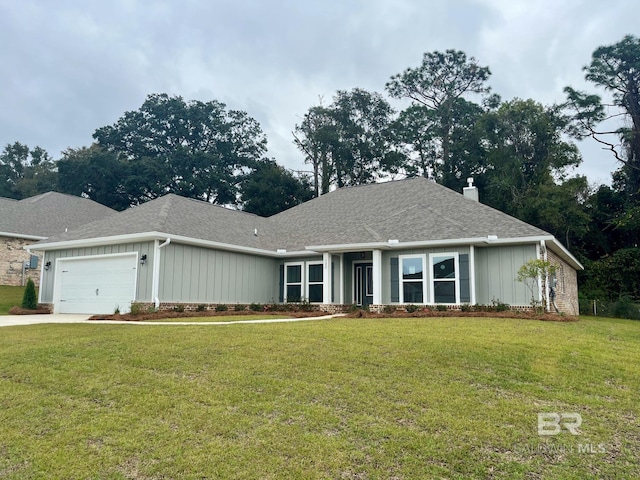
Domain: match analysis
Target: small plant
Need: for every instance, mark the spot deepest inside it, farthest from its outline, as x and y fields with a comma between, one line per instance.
x=178, y=308
x=412, y=308
x=239, y=307
x=531, y=273
x=255, y=307
x=441, y=308
x=221, y=308
x=305, y=306
x=465, y=307
x=389, y=309
x=116, y=311
x=29, y=299
x=499, y=306
x=201, y=307
x=137, y=308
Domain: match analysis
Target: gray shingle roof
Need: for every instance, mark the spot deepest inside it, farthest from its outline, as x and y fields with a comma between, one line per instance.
x=47, y=214
x=408, y=210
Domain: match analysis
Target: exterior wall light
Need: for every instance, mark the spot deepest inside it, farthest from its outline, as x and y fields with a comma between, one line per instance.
x=47, y=265
x=143, y=259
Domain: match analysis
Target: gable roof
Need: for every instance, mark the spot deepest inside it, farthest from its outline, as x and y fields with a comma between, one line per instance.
x=46, y=214
x=411, y=211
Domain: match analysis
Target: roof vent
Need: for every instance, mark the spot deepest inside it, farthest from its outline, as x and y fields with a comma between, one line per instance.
x=471, y=192
x=255, y=232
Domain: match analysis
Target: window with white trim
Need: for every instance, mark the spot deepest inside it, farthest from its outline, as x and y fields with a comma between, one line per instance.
x=412, y=278
x=293, y=291
x=445, y=277
x=315, y=289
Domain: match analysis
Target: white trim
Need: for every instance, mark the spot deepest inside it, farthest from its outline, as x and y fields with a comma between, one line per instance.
x=341, y=296
x=546, y=277
x=456, y=280
x=57, y=281
x=302, y=275
x=22, y=236
x=327, y=285
x=472, y=274
x=401, y=280
x=308, y=283
x=377, y=277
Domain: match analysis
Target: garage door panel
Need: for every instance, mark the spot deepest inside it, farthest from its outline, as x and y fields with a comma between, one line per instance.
x=97, y=285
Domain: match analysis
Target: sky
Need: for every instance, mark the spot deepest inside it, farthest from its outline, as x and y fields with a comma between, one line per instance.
x=72, y=66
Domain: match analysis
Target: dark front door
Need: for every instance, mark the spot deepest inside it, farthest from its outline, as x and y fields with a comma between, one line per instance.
x=363, y=284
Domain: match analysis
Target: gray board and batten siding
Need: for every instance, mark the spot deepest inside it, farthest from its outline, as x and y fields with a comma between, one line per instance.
x=144, y=272
x=193, y=274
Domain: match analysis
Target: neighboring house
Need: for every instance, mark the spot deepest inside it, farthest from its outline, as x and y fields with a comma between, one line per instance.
x=400, y=242
x=24, y=222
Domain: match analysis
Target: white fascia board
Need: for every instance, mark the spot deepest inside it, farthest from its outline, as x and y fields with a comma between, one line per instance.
x=397, y=245
x=562, y=251
x=21, y=235
x=151, y=236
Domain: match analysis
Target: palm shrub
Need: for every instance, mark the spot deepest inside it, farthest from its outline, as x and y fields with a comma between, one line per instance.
x=29, y=299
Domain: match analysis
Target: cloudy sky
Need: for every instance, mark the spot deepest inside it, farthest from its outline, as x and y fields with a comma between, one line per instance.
x=72, y=66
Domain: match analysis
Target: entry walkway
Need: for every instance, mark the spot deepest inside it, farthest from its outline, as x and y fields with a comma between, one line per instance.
x=17, y=320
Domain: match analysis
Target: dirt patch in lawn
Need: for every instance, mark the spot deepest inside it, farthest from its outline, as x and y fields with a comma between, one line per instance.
x=26, y=311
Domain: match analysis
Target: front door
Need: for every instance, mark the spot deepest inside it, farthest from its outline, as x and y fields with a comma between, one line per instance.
x=363, y=284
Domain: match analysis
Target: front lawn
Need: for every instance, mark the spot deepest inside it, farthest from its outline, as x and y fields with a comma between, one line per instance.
x=341, y=399
x=10, y=297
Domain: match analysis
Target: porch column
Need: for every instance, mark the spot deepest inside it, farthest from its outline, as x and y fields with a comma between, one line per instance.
x=472, y=274
x=341, y=280
x=377, y=277
x=327, y=284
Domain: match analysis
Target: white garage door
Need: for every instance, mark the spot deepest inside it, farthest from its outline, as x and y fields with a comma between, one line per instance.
x=96, y=284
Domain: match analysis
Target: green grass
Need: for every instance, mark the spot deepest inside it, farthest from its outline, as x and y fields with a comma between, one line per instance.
x=341, y=399
x=10, y=297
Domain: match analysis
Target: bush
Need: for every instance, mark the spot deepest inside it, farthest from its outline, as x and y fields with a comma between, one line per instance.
x=221, y=308
x=500, y=306
x=625, y=308
x=238, y=307
x=412, y=308
x=178, y=308
x=389, y=309
x=465, y=307
x=29, y=299
x=201, y=307
x=255, y=307
x=442, y=308
x=137, y=308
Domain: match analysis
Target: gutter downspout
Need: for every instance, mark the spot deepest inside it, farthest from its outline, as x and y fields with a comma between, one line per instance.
x=155, y=281
x=543, y=247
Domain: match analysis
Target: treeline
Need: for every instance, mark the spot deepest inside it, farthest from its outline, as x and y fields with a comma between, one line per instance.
x=520, y=153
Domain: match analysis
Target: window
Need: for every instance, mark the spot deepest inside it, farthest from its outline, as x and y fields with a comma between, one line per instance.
x=412, y=279
x=293, y=282
x=445, y=284
x=314, y=282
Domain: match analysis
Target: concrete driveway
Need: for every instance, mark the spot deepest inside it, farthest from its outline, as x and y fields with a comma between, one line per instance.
x=17, y=320
x=13, y=320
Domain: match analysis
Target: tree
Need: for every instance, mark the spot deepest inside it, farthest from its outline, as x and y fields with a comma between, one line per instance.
x=348, y=142
x=195, y=149
x=532, y=273
x=29, y=299
x=440, y=85
x=271, y=189
x=26, y=172
x=97, y=174
x=616, y=68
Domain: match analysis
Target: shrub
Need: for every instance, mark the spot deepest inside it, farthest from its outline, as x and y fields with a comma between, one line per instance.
x=178, y=308
x=500, y=306
x=201, y=307
x=625, y=308
x=29, y=299
x=411, y=308
x=255, y=307
x=137, y=308
x=221, y=308
x=305, y=306
x=389, y=309
x=238, y=307
x=116, y=311
x=442, y=308
x=465, y=307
